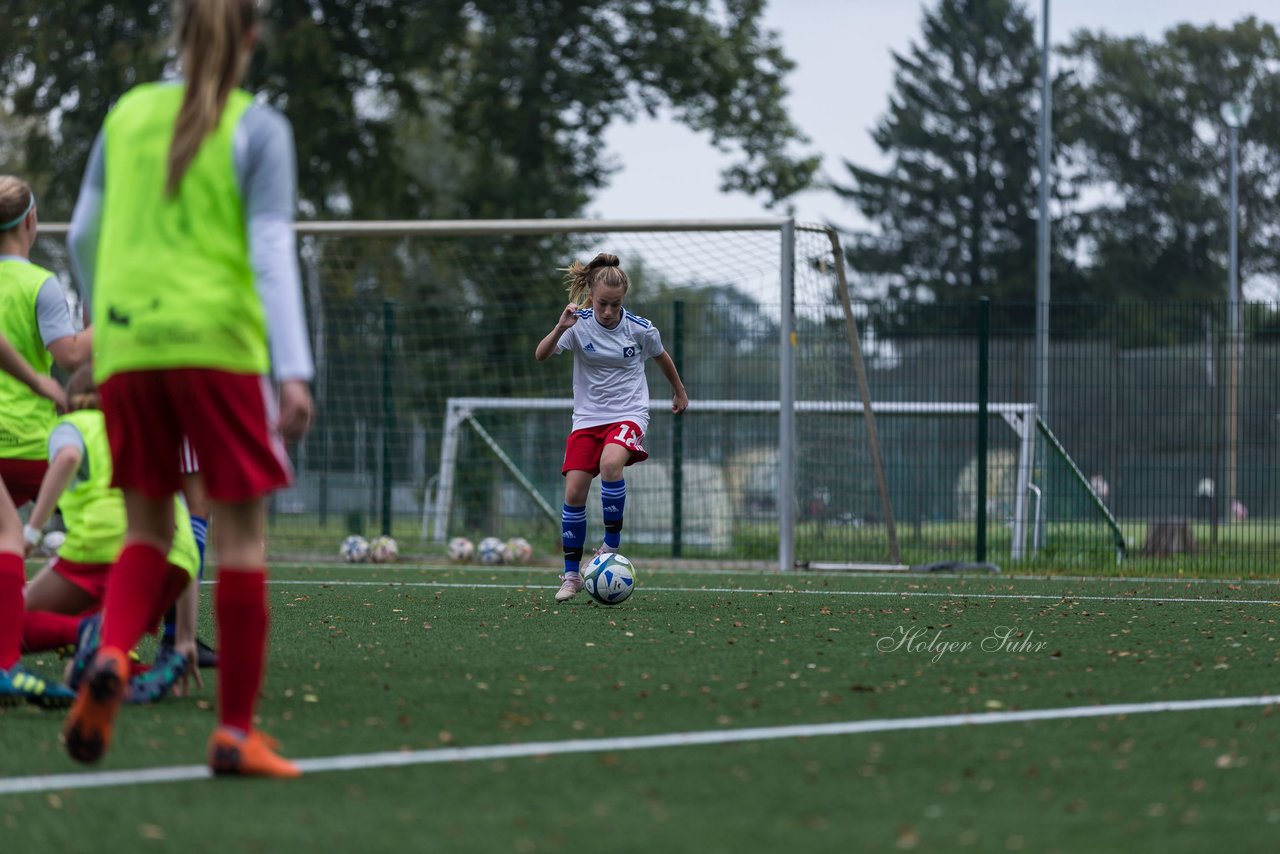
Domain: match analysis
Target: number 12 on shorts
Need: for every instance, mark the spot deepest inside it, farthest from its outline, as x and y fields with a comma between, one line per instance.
x=630, y=437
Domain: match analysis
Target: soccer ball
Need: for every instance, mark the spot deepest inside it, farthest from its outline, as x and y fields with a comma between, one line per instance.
x=609, y=579
x=461, y=550
x=354, y=549
x=384, y=550
x=52, y=542
x=519, y=550
x=492, y=551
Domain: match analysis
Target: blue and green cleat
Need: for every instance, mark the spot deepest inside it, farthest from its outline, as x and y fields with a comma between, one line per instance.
x=155, y=683
x=17, y=685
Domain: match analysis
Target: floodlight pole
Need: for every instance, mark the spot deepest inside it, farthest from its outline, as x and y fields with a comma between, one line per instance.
x=1233, y=325
x=1235, y=114
x=1042, y=235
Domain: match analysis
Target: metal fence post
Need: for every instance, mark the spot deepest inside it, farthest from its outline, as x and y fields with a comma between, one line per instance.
x=787, y=399
x=388, y=407
x=984, y=334
x=677, y=436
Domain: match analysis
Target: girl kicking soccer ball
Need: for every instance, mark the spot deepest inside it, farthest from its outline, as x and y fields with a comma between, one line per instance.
x=610, y=401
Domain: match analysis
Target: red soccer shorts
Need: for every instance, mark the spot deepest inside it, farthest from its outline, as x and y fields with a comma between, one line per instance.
x=583, y=449
x=229, y=418
x=89, y=577
x=22, y=478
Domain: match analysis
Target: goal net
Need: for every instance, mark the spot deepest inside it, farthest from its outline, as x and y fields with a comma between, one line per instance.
x=773, y=462
x=409, y=316
x=717, y=494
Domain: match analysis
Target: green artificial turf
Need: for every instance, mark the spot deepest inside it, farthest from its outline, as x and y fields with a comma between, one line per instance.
x=417, y=659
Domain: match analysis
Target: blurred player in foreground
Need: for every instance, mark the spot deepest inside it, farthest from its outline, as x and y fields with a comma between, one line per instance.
x=183, y=236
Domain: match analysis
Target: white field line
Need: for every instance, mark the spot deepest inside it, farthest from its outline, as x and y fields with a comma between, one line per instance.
x=773, y=572
x=649, y=588
x=392, y=759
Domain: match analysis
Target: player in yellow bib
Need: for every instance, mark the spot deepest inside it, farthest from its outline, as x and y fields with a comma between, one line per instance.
x=73, y=583
x=183, y=238
x=35, y=319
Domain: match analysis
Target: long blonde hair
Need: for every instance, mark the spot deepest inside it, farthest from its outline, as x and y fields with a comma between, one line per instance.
x=213, y=42
x=603, y=269
x=16, y=200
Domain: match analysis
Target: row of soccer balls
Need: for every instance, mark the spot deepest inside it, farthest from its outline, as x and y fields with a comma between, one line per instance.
x=356, y=549
x=491, y=551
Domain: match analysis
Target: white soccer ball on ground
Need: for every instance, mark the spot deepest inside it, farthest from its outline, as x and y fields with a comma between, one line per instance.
x=461, y=550
x=609, y=578
x=492, y=551
x=384, y=550
x=354, y=549
x=519, y=550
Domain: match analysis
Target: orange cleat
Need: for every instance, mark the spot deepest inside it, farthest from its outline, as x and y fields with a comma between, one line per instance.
x=87, y=732
x=250, y=756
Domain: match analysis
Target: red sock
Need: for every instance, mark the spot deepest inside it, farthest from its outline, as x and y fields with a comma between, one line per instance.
x=240, y=604
x=135, y=588
x=42, y=630
x=13, y=575
x=175, y=583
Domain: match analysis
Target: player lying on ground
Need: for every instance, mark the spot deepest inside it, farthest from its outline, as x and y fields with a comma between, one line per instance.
x=74, y=582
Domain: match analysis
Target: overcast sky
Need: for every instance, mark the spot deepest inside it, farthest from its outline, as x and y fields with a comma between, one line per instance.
x=839, y=91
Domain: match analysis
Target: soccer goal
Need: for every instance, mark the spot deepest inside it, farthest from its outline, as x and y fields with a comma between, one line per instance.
x=706, y=494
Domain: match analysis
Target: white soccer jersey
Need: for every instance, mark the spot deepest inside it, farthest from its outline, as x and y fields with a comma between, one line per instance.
x=608, y=369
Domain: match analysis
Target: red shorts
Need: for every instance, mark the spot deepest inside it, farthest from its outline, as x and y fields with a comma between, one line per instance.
x=583, y=448
x=22, y=478
x=89, y=577
x=230, y=419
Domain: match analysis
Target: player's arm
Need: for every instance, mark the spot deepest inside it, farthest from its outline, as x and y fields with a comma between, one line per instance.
x=267, y=173
x=679, y=398
x=61, y=471
x=86, y=221
x=547, y=346
x=70, y=348
x=13, y=364
x=72, y=351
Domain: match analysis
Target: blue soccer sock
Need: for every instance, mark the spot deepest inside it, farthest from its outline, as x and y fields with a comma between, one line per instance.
x=613, y=500
x=200, y=527
x=573, y=533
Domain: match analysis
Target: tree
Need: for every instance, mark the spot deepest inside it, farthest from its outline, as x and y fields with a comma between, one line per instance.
x=1147, y=142
x=955, y=209
x=516, y=93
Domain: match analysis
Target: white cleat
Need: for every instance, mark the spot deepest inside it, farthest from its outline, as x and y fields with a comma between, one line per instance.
x=570, y=588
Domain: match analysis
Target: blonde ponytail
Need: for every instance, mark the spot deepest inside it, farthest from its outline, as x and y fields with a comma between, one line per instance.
x=581, y=278
x=213, y=41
